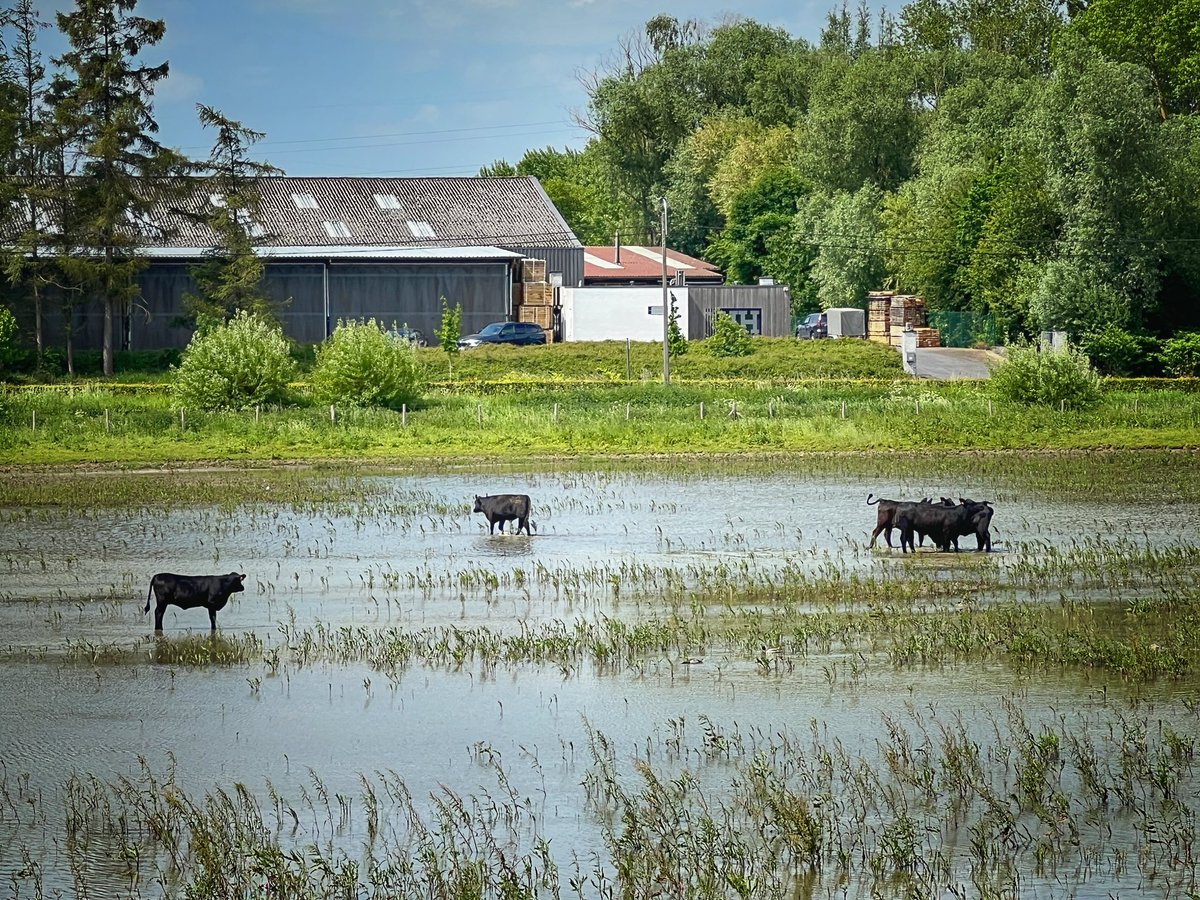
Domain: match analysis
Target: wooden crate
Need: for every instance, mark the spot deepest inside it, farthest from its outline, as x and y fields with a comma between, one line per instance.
x=536, y=294
x=549, y=335
x=929, y=337
x=542, y=316
x=533, y=270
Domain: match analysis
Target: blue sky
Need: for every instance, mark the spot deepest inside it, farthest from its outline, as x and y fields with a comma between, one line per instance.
x=401, y=87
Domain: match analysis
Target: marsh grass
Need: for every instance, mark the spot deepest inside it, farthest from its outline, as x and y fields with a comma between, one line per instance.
x=1097, y=799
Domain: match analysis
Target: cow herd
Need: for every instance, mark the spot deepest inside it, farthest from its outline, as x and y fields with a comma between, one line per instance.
x=943, y=521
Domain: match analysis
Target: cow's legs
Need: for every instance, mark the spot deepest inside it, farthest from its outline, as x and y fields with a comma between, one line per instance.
x=212, y=618
x=158, y=615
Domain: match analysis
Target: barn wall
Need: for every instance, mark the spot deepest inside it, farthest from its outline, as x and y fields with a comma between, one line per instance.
x=567, y=260
x=618, y=313
x=388, y=292
x=770, y=306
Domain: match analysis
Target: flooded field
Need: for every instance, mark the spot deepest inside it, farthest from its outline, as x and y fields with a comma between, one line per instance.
x=694, y=679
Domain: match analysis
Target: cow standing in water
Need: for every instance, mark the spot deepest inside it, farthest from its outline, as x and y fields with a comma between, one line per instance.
x=189, y=591
x=504, y=508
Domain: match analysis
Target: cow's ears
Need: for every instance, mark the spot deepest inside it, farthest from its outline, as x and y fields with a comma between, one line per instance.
x=242, y=577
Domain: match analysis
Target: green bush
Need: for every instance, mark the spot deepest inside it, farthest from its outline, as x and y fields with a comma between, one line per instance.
x=10, y=350
x=240, y=364
x=361, y=365
x=1181, y=355
x=676, y=343
x=1033, y=376
x=451, y=329
x=728, y=337
x=1119, y=353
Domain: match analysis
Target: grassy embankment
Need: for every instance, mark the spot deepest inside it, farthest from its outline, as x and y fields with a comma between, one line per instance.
x=576, y=399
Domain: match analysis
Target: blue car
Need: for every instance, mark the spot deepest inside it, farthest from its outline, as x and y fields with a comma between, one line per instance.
x=521, y=333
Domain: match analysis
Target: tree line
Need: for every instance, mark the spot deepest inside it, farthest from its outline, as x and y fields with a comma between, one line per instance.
x=83, y=169
x=1027, y=160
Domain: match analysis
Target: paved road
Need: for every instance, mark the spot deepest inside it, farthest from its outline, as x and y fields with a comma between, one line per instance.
x=947, y=363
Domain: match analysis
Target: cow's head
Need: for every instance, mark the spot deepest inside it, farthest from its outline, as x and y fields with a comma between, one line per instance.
x=478, y=503
x=236, y=582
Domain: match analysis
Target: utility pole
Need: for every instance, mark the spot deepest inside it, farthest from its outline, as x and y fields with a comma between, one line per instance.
x=666, y=310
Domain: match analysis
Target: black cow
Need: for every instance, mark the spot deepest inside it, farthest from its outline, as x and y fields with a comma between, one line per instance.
x=888, y=514
x=190, y=591
x=946, y=524
x=504, y=508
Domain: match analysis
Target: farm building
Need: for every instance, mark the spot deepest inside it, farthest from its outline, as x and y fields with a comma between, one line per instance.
x=349, y=248
x=635, y=265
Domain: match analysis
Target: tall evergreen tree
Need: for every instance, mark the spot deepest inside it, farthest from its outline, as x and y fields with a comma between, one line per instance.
x=107, y=106
x=230, y=278
x=27, y=265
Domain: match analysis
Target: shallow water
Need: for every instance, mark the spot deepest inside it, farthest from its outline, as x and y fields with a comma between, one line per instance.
x=414, y=556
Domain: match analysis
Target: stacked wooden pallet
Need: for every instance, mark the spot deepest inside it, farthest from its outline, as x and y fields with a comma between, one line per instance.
x=889, y=314
x=533, y=297
x=879, y=309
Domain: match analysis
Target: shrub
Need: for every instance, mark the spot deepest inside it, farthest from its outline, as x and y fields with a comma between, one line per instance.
x=361, y=365
x=728, y=337
x=239, y=364
x=1115, y=351
x=1181, y=355
x=10, y=350
x=676, y=342
x=1033, y=376
x=451, y=329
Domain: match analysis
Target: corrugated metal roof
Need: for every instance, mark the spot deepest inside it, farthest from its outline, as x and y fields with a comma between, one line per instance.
x=428, y=212
x=600, y=264
x=343, y=252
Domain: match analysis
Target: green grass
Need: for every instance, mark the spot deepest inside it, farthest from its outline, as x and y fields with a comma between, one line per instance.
x=524, y=420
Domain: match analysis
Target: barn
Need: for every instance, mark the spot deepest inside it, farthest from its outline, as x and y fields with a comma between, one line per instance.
x=347, y=248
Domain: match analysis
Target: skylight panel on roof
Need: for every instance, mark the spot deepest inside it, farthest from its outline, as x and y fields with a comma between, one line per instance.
x=337, y=229
x=387, y=201
x=421, y=230
x=305, y=201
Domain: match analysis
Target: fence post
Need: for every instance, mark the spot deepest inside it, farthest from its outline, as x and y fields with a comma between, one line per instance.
x=626, y=412
x=701, y=410
x=33, y=426
x=628, y=360
x=843, y=409
x=107, y=425
x=182, y=418
x=332, y=414
x=555, y=413
x=479, y=414
x=403, y=414
x=257, y=412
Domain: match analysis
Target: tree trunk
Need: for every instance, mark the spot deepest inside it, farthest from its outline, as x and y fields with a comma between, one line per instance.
x=108, y=336
x=37, y=322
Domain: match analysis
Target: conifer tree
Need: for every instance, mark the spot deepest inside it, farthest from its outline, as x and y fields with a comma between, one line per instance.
x=123, y=169
x=230, y=278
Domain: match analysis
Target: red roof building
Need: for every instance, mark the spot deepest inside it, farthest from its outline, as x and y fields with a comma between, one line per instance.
x=622, y=265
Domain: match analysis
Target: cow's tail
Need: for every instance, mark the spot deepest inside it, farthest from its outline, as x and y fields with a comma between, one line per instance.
x=870, y=502
x=148, y=594
x=533, y=526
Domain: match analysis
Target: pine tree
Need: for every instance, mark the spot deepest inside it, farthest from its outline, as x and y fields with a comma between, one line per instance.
x=230, y=278
x=107, y=107
x=27, y=263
